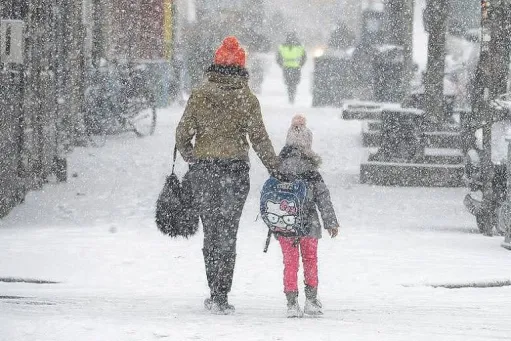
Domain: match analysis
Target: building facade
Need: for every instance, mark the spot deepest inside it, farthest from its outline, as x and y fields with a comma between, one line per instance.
x=42, y=101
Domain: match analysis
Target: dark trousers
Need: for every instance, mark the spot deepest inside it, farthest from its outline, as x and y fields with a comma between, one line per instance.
x=292, y=78
x=221, y=189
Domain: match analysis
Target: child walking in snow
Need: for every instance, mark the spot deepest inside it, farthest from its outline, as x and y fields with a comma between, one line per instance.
x=298, y=161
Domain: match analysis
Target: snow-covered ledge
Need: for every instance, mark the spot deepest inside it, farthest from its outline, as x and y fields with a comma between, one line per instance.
x=507, y=241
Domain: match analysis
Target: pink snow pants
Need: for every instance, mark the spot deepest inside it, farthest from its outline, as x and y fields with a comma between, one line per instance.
x=309, y=249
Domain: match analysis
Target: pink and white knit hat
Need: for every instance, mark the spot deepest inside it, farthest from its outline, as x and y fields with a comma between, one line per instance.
x=298, y=134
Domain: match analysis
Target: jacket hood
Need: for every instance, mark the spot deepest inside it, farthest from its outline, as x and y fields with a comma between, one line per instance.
x=296, y=161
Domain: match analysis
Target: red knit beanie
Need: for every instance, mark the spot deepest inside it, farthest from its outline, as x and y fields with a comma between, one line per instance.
x=230, y=53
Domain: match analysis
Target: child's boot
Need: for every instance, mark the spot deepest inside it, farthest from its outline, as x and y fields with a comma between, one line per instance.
x=293, y=308
x=312, y=304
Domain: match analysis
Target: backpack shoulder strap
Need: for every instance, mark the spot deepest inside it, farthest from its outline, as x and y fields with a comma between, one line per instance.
x=174, y=158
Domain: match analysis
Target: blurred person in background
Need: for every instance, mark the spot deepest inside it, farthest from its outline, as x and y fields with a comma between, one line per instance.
x=291, y=57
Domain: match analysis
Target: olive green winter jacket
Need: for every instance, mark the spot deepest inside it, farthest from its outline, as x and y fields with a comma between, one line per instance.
x=220, y=115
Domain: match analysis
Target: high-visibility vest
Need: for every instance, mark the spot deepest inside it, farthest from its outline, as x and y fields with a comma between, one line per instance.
x=292, y=55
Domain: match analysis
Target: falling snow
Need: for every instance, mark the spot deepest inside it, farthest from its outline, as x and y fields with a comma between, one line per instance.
x=398, y=95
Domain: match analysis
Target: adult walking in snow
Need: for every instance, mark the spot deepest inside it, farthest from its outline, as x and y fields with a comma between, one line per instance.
x=291, y=57
x=220, y=115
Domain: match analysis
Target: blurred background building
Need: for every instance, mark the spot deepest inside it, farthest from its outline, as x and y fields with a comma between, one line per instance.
x=51, y=47
x=49, y=50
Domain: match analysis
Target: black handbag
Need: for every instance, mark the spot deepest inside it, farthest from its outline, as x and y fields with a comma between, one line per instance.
x=176, y=215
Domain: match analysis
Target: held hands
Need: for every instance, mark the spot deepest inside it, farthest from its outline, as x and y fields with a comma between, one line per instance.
x=333, y=232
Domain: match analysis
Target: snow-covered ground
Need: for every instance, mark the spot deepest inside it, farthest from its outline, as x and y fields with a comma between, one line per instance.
x=120, y=279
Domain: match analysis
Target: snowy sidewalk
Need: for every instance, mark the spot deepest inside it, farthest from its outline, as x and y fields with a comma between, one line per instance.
x=119, y=279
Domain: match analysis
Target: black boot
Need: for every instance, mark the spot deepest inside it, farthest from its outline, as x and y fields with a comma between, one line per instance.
x=223, y=283
x=312, y=304
x=293, y=308
x=220, y=305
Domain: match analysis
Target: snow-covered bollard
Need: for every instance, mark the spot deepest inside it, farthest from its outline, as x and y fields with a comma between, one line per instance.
x=505, y=220
x=507, y=242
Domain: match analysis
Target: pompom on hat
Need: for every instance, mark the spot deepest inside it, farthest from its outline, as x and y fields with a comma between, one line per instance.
x=230, y=53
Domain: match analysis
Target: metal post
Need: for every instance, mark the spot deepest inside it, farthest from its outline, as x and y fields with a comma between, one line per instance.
x=409, y=9
x=436, y=14
x=1, y=16
x=134, y=51
x=76, y=71
x=505, y=33
x=98, y=42
x=507, y=241
x=500, y=48
x=487, y=219
x=14, y=95
x=33, y=128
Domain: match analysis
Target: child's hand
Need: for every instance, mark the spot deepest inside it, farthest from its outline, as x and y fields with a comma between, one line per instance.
x=333, y=232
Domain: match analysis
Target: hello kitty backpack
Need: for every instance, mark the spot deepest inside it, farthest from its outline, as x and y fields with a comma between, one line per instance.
x=283, y=206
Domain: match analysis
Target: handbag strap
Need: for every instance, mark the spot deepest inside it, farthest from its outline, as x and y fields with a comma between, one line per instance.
x=174, y=159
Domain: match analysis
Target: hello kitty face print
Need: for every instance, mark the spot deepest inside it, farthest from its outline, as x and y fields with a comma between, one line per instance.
x=282, y=216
